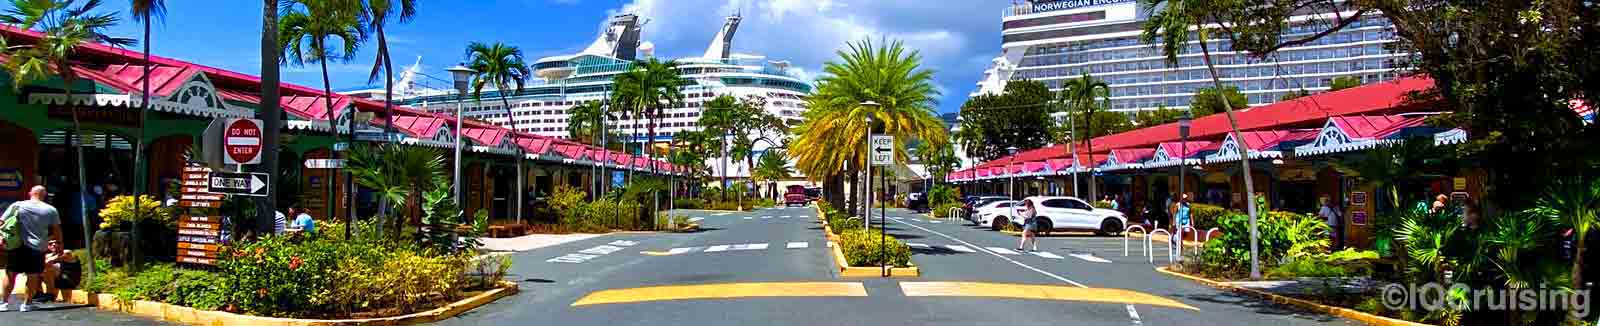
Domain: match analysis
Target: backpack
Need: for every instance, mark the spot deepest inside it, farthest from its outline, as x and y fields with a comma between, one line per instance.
x=11, y=228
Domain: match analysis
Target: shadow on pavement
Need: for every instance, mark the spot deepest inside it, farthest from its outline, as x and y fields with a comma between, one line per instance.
x=1257, y=305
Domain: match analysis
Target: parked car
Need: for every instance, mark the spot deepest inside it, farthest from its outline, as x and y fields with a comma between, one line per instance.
x=1069, y=213
x=917, y=202
x=995, y=214
x=973, y=202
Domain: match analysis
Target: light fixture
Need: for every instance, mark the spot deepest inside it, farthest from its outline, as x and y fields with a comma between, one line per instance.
x=1277, y=161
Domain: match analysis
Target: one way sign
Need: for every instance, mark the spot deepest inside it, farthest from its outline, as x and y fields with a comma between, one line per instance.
x=245, y=184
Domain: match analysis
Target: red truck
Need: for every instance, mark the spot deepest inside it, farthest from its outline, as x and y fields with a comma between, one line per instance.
x=796, y=196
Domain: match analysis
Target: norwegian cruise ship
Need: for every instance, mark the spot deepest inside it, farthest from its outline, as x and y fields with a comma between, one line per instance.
x=568, y=80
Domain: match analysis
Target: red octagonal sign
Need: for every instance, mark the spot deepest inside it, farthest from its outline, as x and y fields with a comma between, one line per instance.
x=242, y=141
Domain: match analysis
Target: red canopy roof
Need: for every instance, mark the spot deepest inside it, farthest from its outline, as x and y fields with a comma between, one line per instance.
x=485, y=136
x=1034, y=167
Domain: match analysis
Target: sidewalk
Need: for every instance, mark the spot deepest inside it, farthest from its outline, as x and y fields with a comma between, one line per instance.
x=532, y=241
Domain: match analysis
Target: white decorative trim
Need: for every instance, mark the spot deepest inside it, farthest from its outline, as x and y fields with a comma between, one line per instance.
x=1228, y=152
x=1331, y=139
x=1450, y=137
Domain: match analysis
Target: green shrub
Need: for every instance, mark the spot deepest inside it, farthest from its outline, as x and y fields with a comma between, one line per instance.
x=1101, y=204
x=278, y=277
x=1205, y=216
x=868, y=248
x=724, y=205
x=688, y=203
x=839, y=222
x=1307, y=268
x=941, y=195
x=766, y=202
x=1282, y=236
x=944, y=209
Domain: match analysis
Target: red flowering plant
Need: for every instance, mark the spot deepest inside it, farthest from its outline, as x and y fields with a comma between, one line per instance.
x=277, y=277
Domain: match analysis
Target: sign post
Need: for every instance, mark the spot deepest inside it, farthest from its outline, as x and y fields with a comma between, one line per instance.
x=882, y=154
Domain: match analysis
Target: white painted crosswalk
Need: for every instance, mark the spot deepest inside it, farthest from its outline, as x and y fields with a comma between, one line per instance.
x=1002, y=251
x=960, y=248
x=1046, y=254
x=796, y=245
x=1090, y=258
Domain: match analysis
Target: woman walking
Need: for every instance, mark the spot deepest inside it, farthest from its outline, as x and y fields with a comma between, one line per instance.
x=1029, y=225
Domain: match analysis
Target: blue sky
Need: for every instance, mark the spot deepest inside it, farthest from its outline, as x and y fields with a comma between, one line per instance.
x=956, y=37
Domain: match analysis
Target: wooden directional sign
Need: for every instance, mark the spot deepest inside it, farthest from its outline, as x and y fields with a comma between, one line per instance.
x=245, y=184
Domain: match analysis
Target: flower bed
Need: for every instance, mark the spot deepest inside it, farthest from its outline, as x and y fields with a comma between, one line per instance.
x=861, y=253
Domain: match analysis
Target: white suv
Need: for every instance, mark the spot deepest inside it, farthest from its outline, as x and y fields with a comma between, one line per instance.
x=1068, y=213
x=1000, y=211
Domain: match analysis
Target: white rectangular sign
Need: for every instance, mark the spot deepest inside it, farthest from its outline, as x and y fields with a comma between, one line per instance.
x=882, y=150
x=322, y=163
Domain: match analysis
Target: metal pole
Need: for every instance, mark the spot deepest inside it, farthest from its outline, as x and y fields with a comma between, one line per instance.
x=457, y=184
x=1072, y=135
x=883, y=230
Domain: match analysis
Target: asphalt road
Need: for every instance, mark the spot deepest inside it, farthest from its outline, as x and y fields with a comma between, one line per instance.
x=756, y=247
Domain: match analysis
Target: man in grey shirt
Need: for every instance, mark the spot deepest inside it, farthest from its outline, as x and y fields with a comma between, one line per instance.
x=38, y=223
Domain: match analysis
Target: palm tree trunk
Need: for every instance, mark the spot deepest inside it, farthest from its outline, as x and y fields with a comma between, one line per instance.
x=333, y=124
x=1088, y=122
x=1244, y=159
x=388, y=113
x=77, y=143
x=511, y=118
x=271, y=116
x=139, y=173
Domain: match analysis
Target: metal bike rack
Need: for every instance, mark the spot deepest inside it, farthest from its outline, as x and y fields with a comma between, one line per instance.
x=1128, y=233
x=1180, y=239
x=953, y=213
x=1149, y=245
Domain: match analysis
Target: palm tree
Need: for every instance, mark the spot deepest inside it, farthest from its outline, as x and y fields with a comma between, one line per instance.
x=64, y=26
x=376, y=13
x=718, y=120
x=501, y=66
x=831, y=139
x=584, y=125
x=1577, y=201
x=143, y=11
x=395, y=172
x=773, y=167
x=1170, y=27
x=303, y=35
x=271, y=117
x=1080, y=95
x=651, y=85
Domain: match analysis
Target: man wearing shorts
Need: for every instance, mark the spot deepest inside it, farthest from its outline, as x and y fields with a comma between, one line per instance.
x=38, y=224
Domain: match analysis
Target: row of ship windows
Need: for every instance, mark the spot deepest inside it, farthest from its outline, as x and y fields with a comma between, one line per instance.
x=1054, y=77
x=1298, y=30
x=1153, y=57
x=1182, y=96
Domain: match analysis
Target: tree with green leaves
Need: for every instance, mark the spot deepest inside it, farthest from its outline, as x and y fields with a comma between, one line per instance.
x=990, y=123
x=1208, y=101
x=377, y=14
x=304, y=33
x=584, y=123
x=396, y=174
x=502, y=67
x=1160, y=116
x=651, y=85
x=720, y=118
x=65, y=24
x=773, y=167
x=1084, y=96
x=830, y=144
x=1343, y=82
x=1168, y=28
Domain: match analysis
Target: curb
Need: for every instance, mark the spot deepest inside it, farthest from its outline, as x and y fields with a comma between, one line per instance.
x=1363, y=317
x=192, y=316
x=843, y=265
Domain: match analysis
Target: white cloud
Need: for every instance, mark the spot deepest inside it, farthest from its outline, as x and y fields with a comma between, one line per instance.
x=808, y=32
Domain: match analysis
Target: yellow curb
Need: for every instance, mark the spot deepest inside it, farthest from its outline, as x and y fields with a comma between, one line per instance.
x=1037, y=292
x=1367, y=318
x=723, y=291
x=192, y=316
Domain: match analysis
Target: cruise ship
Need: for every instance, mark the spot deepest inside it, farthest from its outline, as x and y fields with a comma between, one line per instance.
x=565, y=81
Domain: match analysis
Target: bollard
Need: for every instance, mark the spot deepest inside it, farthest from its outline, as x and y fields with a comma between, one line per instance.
x=953, y=213
x=1149, y=245
x=1126, y=233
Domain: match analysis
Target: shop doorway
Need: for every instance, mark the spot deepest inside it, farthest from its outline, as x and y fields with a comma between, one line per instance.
x=108, y=170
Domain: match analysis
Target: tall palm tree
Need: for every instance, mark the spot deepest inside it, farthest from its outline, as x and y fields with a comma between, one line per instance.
x=64, y=27
x=1170, y=28
x=376, y=14
x=773, y=167
x=305, y=28
x=831, y=139
x=584, y=125
x=143, y=12
x=651, y=86
x=718, y=121
x=1081, y=94
x=271, y=117
x=501, y=66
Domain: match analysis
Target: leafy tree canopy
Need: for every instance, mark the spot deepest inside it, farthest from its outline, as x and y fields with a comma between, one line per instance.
x=1018, y=117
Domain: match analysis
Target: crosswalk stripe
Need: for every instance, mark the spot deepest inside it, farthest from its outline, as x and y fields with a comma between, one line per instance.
x=749, y=246
x=1046, y=254
x=748, y=217
x=796, y=245
x=960, y=248
x=935, y=222
x=720, y=214
x=1090, y=258
x=802, y=216
x=918, y=245
x=765, y=217
x=1002, y=251
x=696, y=219
x=676, y=251
x=717, y=248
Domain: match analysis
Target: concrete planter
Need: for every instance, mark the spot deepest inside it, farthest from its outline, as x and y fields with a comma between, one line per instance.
x=192, y=316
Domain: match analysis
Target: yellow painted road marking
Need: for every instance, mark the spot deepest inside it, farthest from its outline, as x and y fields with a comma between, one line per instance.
x=1037, y=292
x=724, y=291
x=656, y=253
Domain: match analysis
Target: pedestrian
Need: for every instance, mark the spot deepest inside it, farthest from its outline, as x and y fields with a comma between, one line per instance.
x=1439, y=203
x=280, y=222
x=1180, y=216
x=1331, y=214
x=1030, y=225
x=62, y=271
x=27, y=226
x=303, y=223
x=1116, y=204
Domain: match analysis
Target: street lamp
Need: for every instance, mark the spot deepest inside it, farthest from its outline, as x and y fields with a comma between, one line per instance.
x=460, y=74
x=866, y=190
x=1012, y=188
x=1183, y=160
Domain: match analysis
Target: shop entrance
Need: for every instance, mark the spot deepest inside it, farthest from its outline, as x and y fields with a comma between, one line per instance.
x=108, y=168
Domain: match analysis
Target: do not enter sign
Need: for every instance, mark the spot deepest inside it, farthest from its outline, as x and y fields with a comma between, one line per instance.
x=241, y=142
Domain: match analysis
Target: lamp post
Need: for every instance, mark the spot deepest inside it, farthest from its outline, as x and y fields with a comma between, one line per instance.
x=459, y=74
x=1183, y=162
x=866, y=192
x=1011, y=188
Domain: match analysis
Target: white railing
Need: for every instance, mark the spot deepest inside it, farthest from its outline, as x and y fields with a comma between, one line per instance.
x=1149, y=245
x=1128, y=233
x=953, y=213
